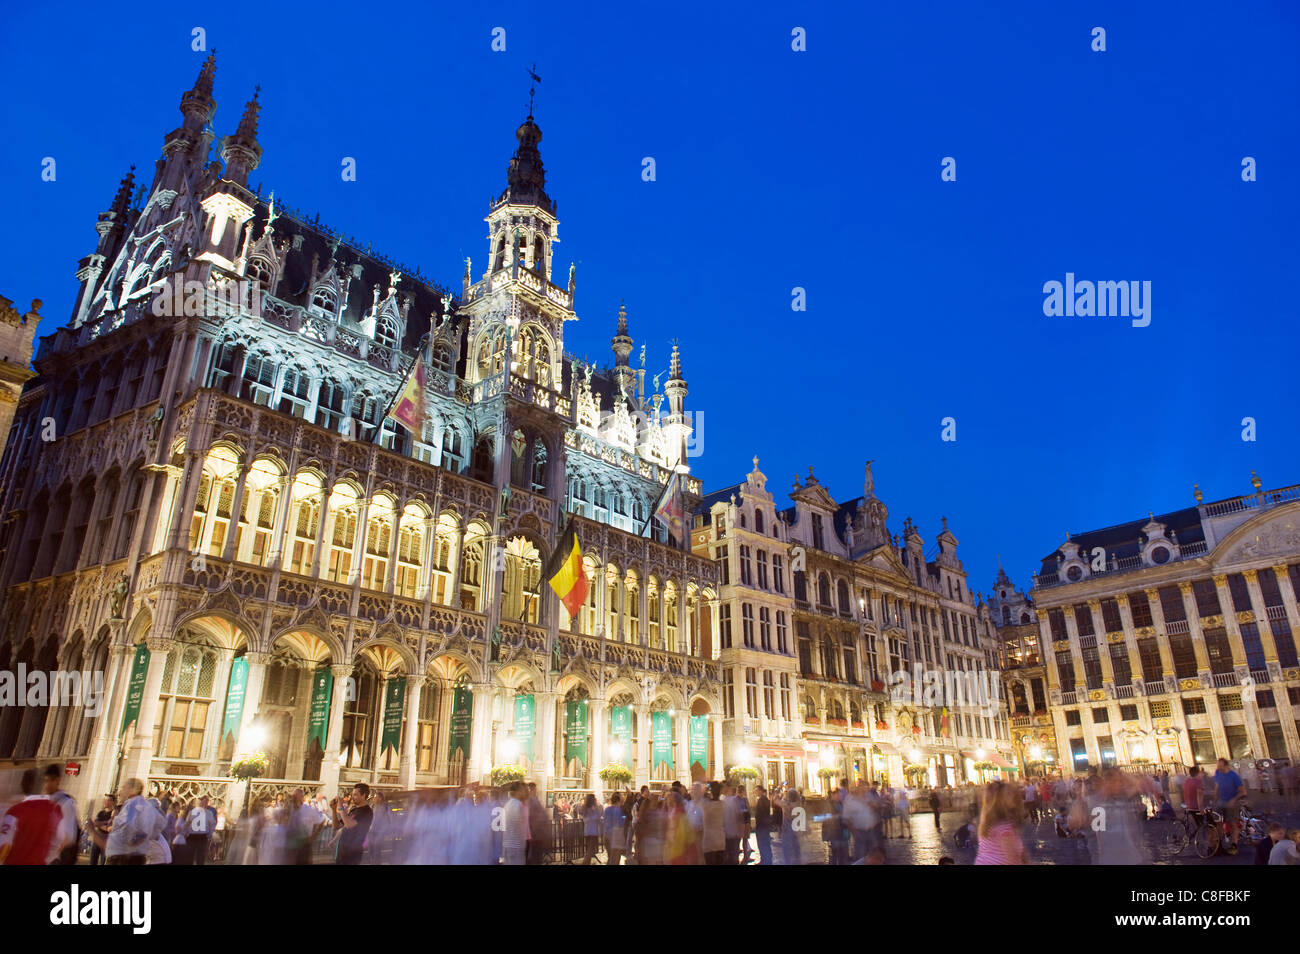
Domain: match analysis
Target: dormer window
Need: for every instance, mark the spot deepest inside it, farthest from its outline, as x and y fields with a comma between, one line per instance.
x=758, y=521
x=257, y=270
x=324, y=299
x=442, y=356
x=386, y=332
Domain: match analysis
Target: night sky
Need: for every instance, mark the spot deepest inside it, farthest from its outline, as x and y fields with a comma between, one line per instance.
x=776, y=169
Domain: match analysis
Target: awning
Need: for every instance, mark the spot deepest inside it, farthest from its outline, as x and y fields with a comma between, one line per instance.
x=998, y=759
x=884, y=747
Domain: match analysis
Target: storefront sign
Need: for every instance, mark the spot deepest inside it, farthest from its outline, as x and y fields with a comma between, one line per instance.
x=318, y=716
x=135, y=687
x=661, y=734
x=394, y=707
x=699, y=754
x=235, y=699
x=525, y=726
x=462, y=717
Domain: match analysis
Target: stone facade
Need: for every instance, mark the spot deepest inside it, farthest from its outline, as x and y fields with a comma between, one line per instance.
x=226, y=490
x=1171, y=640
x=818, y=607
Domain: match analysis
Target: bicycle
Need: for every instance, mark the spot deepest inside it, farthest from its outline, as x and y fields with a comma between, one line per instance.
x=1209, y=833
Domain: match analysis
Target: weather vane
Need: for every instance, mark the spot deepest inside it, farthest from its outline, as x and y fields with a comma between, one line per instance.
x=532, y=88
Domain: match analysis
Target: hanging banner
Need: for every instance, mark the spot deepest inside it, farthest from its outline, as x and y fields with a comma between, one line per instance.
x=525, y=727
x=620, y=732
x=575, y=746
x=661, y=734
x=394, y=705
x=462, y=717
x=699, y=732
x=135, y=688
x=235, y=700
x=318, y=717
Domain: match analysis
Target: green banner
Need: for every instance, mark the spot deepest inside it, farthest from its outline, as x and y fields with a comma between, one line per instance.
x=394, y=705
x=575, y=727
x=462, y=717
x=525, y=726
x=620, y=731
x=699, y=732
x=661, y=735
x=135, y=687
x=235, y=699
x=318, y=718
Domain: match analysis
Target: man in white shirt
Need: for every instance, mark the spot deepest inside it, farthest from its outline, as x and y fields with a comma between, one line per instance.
x=1285, y=851
x=516, y=825
x=64, y=850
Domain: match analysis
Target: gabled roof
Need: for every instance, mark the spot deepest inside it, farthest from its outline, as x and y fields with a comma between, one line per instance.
x=1121, y=540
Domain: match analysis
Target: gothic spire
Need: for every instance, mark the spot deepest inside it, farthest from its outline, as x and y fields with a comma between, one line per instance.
x=197, y=104
x=525, y=176
x=242, y=152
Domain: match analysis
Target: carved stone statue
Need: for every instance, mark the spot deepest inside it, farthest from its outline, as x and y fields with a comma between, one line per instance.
x=118, y=596
x=555, y=655
x=869, y=482
x=155, y=423
x=496, y=645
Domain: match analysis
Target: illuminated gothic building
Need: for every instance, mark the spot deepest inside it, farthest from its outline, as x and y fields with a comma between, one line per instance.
x=228, y=527
x=819, y=606
x=17, y=333
x=1170, y=640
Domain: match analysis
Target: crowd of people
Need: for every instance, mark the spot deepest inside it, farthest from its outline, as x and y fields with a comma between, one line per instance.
x=706, y=823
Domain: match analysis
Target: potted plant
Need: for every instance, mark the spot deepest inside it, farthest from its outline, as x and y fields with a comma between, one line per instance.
x=813, y=720
x=877, y=685
x=827, y=772
x=858, y=724
x=743, y=773
x=616, y=774
x=253, y=765
x=834, y=721
x=916, y=730
x=882, y=725
x=984, y=766
x=504, y=774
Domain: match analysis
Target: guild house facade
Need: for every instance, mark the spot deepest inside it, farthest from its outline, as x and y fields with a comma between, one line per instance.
x=1167, y=641
x=205, y=501
x=820, y=607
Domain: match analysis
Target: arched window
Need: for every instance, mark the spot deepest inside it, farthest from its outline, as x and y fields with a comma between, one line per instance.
x=358, y=713
x=445, y=556
x=324, y=300
x=809, y=709
x=842, y=593
x=379, y=542
x=1006, y=615
x=184, y=702
x=829, y=668
x=386, y=331
x=442, y=356
x=758, y=521
x=344, y=509
x=824, y=590
x=453, y=450
x=259, y=271
x=410, y=552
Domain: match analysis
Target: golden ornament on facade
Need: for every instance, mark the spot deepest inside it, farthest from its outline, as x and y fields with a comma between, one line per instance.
x=1094, y=604
x=1293, y=674
x=1211, y=620
x=1250, y=575
x=1187, y=684
x=1185, y=588
x=1097, y=695
x=1132, y=727
x=1220, y=579
x=1041, y=614
x=1245, y=616
x=1145, y=631
x=1163, y=723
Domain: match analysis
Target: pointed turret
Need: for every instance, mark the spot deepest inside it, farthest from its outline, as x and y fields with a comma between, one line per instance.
x=241, y=152
x=678, y=429
x=525, y=176
x=621, y=344
x=197, y=105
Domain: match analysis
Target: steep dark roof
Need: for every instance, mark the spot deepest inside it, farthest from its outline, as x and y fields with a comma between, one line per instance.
x=317, y=239
x=716, y=496
x=1122, y=540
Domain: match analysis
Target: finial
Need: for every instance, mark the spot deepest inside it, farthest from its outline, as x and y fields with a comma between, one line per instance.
x=1196, y=492
x=756, y=462
x=1151, y=515
x=532, y=73
x=945, y=522
x=1255, y=481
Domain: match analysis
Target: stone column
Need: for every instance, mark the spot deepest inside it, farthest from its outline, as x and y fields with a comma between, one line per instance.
x=280, y=530
x=140, y=754
x=1193, y=614
x=406, y=771
x=719, y=761
x=480, y=764
x=1287, y=591
x=329, y=769
x=236, y=511
x=1103, y=648
x=1261, y=617
x=1162, y=634
x=1076, y=654
x=103, y=757
x=322, y=518
x=1130, y=639
x=641, y=770
x=544, y=764
x=1230, y=620
x=597, y=758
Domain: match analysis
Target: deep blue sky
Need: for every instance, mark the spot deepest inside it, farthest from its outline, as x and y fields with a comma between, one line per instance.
x=779, y=169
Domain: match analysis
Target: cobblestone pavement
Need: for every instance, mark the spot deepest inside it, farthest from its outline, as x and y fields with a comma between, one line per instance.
x=927, y=845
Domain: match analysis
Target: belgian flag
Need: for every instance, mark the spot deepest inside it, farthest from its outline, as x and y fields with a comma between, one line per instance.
x=565, y=573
